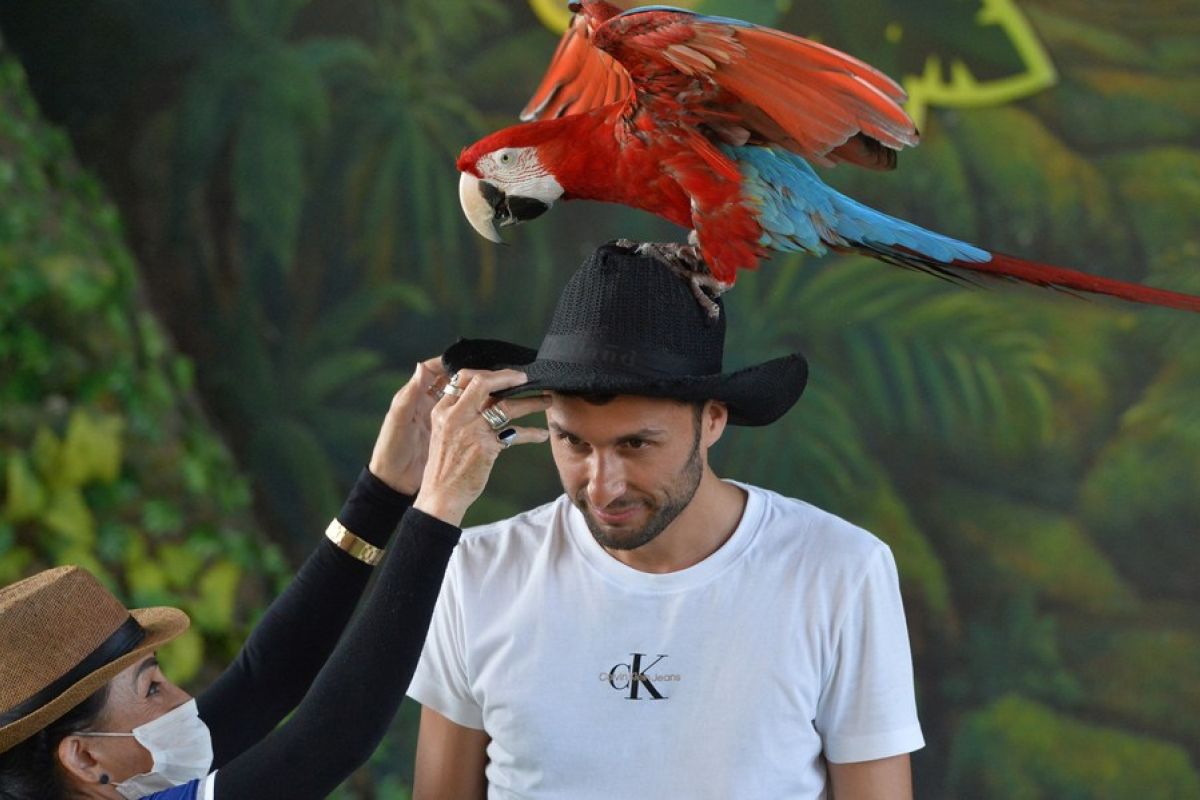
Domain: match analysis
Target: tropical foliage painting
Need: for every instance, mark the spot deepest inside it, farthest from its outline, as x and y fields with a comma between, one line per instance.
x=230, y=227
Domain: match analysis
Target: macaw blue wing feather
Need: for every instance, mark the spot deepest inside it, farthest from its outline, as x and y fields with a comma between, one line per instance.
x=798, y=211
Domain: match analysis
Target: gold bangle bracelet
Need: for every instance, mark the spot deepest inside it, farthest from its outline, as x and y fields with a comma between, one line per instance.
x=355, y=547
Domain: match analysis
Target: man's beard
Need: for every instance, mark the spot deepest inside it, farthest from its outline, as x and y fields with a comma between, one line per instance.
x=678, y=495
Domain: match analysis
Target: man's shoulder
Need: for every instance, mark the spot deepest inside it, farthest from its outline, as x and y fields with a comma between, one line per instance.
x=534, y=522
x=789, y=523
x=515, y=538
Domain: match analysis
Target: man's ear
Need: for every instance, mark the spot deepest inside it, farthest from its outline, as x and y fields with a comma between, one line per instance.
x=713, y=419
x=78, y=761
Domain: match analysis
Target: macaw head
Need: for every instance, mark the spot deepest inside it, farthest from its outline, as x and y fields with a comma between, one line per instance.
x=506, y=180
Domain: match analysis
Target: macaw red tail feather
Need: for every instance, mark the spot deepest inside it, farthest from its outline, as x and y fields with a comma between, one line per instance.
x=1016, y=269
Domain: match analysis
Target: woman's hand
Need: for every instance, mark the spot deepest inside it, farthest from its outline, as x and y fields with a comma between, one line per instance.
x=403, y=444
x=463, y=446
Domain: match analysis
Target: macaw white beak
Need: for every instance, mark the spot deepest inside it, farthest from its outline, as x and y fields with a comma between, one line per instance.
x=476, y=207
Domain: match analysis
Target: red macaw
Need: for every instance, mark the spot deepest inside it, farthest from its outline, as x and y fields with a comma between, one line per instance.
x=712, y=123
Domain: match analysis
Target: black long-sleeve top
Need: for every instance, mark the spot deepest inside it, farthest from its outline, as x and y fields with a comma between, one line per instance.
x=347, y=691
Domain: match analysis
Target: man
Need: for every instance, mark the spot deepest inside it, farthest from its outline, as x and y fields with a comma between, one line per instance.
x=657, y=632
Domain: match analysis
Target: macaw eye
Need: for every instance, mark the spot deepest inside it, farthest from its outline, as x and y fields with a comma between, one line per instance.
x=505, y=158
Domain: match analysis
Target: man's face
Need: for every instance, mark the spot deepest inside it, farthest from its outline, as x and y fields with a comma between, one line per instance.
x=631, y=465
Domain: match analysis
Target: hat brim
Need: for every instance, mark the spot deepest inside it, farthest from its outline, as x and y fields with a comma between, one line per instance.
x=755, y=396
x=162, y=624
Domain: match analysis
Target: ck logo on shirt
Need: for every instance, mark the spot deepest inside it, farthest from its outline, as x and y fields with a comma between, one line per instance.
x=635, y=676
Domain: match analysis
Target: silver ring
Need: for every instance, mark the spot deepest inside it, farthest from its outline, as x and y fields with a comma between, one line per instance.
x=495, y=417
x=454, y=379
x=452, y=390
x=506, y=438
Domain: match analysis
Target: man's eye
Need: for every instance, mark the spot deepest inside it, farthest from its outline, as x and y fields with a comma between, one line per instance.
x=636, y=444
x=574, y=441
x=152, y=689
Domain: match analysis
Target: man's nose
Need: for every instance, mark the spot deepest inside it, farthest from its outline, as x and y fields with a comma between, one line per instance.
x=606, y=481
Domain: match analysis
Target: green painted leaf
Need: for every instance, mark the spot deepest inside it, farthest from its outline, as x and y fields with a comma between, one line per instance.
x=1144, y=674
x=182, y=658
x=1160, y=189
x=181, y=564
x=14, y=564
x=92, y=448
x=68, y=516
x=161, y=516
x=213, y=609
x=25, y=496
x=886, y=514
x=46, y=455
x=147, y=582
x=1043, y=197
x=1016, y=749
x=995, y=542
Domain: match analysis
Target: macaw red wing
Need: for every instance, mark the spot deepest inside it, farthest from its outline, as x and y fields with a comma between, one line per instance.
x=754, y=84
x=579, y=78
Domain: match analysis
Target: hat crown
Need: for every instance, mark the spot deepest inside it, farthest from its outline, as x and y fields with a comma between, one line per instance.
x=48, y=624
x=638, y=308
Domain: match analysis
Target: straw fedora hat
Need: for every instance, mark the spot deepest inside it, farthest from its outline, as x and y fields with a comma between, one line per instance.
x=626, y=324
x=62, y=637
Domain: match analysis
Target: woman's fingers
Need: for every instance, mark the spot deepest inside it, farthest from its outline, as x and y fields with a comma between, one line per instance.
x=475, y=389
x=398, y=458
x=518, y=407
x=476, y=385
x=433, y=366
x=499, y=415
x=516, y=434
x=465, y=443
x=427, y=413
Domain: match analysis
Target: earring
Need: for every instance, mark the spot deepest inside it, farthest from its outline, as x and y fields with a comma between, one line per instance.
x=103, y=778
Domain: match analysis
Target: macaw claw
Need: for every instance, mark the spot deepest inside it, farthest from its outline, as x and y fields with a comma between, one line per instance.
x=686, y=261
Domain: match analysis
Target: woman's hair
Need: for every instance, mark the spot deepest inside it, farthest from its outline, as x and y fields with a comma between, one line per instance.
x=30, y=771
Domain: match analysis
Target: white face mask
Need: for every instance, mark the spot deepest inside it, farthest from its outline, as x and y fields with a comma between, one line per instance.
x=179, y=743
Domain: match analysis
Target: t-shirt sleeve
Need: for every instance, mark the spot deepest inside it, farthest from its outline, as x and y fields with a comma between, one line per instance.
x=442, y=682
x=868, y=708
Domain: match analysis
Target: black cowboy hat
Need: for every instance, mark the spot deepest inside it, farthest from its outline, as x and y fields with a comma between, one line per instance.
x=627, y=324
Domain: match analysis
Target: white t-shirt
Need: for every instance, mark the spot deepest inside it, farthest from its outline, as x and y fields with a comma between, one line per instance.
x=728, y=679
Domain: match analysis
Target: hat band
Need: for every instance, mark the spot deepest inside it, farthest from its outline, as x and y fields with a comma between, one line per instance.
x=122, y=642
x=588, y=351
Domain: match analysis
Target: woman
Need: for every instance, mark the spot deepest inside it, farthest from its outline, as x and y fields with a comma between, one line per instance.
x=85, y=711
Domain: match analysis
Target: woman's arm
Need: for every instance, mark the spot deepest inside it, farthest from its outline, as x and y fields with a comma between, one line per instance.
x=299, y=630
x=291, y=643
x=345, y=714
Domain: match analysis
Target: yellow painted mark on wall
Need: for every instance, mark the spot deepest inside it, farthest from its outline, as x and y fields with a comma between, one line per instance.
x=964, y=90
x=552, y=13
